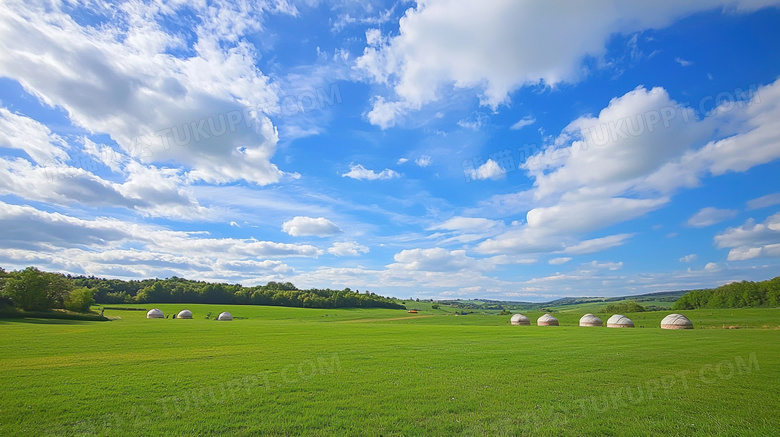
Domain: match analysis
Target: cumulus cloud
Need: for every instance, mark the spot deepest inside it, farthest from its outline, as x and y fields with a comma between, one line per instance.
x=444, y=44
x=752, y=240
x=631, y=139
x=489, y=170
x=559, y=261
x=628, y=161
x=357, y=171
x=308, y=226
x=711, y=216
x=689, y=258
x=347, y=248
x=157, y=106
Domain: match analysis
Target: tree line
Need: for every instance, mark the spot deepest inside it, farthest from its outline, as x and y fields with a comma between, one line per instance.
x=32, y=289
x=734, y=295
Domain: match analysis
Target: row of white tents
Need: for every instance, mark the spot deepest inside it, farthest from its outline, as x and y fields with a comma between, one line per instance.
x=672, y=321
x=156, y=313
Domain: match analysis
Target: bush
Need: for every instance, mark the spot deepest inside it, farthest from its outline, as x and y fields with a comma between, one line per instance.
x=79, y=300
x=624, y=307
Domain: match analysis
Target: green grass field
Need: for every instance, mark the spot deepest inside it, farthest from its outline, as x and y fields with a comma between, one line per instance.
x=289, y=371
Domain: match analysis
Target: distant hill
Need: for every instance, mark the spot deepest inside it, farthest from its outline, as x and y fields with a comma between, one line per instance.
x=657, y=299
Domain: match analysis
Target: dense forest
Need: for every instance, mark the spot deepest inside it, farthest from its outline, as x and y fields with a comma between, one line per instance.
x=734, y=295
x=32, y=289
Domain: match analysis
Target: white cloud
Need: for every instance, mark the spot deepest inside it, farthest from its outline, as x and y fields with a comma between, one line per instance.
x=24, y=227
x=347, y=19
x=35, y=139
x=476, y=123
x=711, y=216
x=606, y=265
x=752, y=240
x=489, y=170
x=424, y=161
x=147, y=190
x=110, y=247
x=357, y=171
x=764, y=201
x=439, y=260
x=631, y=139
x=558, y=261
x=557, y=228
x=689, y=258
x=749, y=138
x=308, y=226
x=158, y=107
x=402, y=161
x=484, y=46
x=628, y=160
x=433, y=260
x=347, y=248
x=589, y=215
x=525, y=121
x=683, y=62
x=711, y=267
x=597, y=244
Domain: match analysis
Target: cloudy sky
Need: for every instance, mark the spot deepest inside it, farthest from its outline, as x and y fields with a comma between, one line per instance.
x=500, y=149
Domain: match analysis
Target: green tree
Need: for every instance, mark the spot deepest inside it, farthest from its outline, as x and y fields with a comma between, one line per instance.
x=79, y=300
x=32, y=289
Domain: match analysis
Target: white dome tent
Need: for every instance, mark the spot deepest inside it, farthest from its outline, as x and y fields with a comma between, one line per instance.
x=225, y=316
x=676, y=321
x=519, y=319
x=590, y=320
x=619, y=321
x=547, y=320
x=155, y=313
x=184, y=314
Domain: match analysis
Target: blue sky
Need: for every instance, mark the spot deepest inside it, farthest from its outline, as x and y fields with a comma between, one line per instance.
x=442, y=149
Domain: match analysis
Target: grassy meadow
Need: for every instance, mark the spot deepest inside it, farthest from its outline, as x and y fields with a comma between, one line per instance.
x=290, y=371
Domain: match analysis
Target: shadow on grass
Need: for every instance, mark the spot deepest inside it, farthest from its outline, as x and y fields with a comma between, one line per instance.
x=44, y=321
x=49, y=317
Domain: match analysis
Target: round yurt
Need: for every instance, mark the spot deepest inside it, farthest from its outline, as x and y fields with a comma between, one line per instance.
x=590, y=320
x=184, y=314
x=619, y=321
x=547, y=320
x=225, y=316
x=154, y=313
x=676, y=321
x=519, y=319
